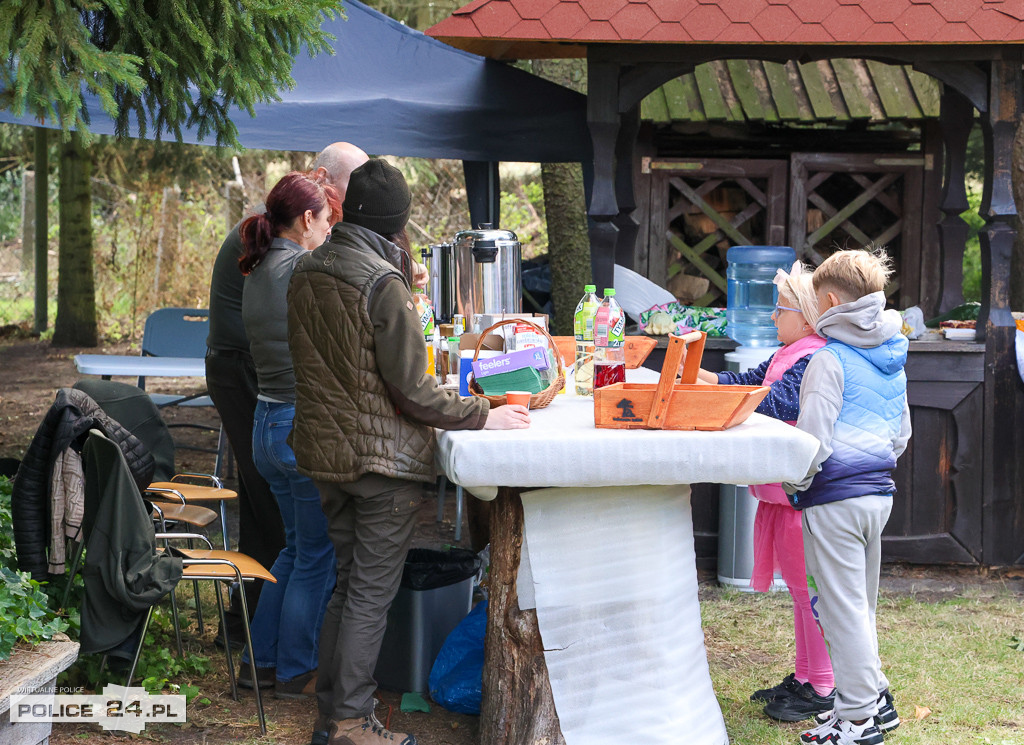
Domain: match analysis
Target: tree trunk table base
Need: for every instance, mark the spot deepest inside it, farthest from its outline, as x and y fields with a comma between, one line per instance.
x=615, y=639
x=517, y=705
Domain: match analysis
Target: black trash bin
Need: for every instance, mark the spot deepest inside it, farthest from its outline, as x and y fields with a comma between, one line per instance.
x=436, y=593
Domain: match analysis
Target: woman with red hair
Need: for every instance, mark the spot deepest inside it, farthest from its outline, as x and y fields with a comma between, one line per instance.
x=300, y=211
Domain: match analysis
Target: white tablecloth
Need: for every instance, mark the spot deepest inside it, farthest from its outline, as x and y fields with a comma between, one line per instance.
x=562, y=447
x=611, y=560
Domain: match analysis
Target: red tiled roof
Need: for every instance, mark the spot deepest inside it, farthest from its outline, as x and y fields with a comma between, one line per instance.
x=572, y=23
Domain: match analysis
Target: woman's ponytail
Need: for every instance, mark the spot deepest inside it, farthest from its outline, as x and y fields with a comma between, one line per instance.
x=256, y=235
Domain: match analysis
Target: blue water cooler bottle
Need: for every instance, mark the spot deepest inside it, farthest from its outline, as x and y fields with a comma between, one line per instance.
x=751, y=301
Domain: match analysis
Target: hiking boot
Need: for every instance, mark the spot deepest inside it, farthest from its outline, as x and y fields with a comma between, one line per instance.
x=802, y=703
x=298, y=688
x=320, y=737
x=788, y=685
x=265, y=675
x=366, y=731
x=838, y=731
x=887, y=719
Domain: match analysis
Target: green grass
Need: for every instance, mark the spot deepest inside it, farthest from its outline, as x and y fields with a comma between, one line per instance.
x=953, y=657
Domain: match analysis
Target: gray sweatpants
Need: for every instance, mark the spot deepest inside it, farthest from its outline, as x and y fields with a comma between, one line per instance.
x=843, y=550
x=371, y=523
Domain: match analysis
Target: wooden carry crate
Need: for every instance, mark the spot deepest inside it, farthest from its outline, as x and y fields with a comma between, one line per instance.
x=671, y=405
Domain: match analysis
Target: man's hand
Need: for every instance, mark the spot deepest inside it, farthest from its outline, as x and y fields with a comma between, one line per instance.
x=510, y=416
x=420, y=275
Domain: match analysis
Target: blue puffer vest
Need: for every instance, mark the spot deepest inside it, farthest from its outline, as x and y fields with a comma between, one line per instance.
x=874, y=393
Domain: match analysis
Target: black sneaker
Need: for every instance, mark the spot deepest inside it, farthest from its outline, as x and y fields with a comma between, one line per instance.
x=235, y=633
x=887, y=719
x=787, y=687
x=265, y=675
x=803, y=703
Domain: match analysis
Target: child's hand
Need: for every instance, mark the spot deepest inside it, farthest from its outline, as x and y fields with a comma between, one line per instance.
x=707, y=377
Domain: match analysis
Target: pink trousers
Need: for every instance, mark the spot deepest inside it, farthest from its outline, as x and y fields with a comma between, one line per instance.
x=779, y=545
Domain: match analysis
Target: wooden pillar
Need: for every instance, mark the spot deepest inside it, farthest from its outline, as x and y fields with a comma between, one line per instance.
x=1003, y=542
x=517, y=707
x=604, y=122
x=625, y=195
x=483, y=192
x=955, y=120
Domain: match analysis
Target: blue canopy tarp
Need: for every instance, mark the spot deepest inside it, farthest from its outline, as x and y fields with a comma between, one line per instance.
x=393, y=90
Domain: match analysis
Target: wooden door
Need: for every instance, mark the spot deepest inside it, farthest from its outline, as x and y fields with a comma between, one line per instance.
x=701, y=207
x=938, y=508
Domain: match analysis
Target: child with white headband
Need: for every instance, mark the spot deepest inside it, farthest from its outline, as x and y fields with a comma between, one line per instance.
x=778, y=535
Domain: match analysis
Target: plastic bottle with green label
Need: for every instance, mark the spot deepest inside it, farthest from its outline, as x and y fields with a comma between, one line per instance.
x=583, y=328
x=609, y=342
x=426, y=313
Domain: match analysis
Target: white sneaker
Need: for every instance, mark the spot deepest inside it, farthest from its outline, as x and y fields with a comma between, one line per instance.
x=838, y=731
x=887, y=719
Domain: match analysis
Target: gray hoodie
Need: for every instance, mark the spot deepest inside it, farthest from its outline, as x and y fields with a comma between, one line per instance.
x=861, y=440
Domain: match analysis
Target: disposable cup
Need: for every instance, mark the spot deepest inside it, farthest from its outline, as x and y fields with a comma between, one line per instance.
x=518, y=397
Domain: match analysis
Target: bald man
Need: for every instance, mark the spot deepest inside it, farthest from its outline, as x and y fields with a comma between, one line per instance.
x=231, y=381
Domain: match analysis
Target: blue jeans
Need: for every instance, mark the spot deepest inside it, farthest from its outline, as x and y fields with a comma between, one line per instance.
x=286, y=626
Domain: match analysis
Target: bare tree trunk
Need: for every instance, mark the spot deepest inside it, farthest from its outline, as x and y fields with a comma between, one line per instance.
x=1017, y=259
x=168, y=240
x=75, y=324
x=517, y=707
x=566, y=211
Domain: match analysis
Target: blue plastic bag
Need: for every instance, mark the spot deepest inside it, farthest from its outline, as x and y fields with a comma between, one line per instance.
x=456, y=678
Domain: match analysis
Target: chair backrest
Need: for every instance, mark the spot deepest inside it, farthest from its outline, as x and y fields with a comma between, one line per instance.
x=133, y=409
x=176, y=332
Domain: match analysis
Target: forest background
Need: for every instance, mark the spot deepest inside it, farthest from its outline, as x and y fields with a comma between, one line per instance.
x=159, y=211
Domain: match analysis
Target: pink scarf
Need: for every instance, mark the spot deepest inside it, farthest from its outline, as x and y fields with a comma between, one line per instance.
x=782, y=360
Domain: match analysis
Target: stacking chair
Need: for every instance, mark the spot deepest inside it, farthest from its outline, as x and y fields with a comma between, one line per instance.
x=136, y=412
x=182, y=332
x=107, y=474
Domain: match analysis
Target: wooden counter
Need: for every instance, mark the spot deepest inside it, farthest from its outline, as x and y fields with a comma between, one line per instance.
x=938, y=512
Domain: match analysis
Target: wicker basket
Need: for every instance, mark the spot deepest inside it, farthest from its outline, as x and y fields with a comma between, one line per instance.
x=537, y=400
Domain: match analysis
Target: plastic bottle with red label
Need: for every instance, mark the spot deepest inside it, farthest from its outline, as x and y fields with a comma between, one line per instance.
x=609, y=342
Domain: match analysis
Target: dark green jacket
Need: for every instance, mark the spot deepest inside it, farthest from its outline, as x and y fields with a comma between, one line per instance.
x=124, y=575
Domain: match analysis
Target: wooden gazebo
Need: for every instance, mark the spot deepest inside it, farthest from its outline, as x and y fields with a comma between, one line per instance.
x=961, y=489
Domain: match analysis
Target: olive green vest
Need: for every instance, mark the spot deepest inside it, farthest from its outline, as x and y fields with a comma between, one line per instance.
x=346, y=425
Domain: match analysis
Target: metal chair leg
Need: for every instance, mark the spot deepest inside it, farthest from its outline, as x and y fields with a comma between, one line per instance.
x=459, y=499
x=224, y=524
x=176, y=623
x=199, y=607
x=252, y=658
x=227, y=645
x=138, y=649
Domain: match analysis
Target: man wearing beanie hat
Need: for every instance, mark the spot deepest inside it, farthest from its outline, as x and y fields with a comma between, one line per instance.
x=378, y=198
x=365, y=414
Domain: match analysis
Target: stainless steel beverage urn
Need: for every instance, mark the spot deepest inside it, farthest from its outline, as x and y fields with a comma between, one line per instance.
x=488, y=271
x=441, y=263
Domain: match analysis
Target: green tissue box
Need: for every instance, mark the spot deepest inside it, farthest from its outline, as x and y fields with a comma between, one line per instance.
x=525, y=379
